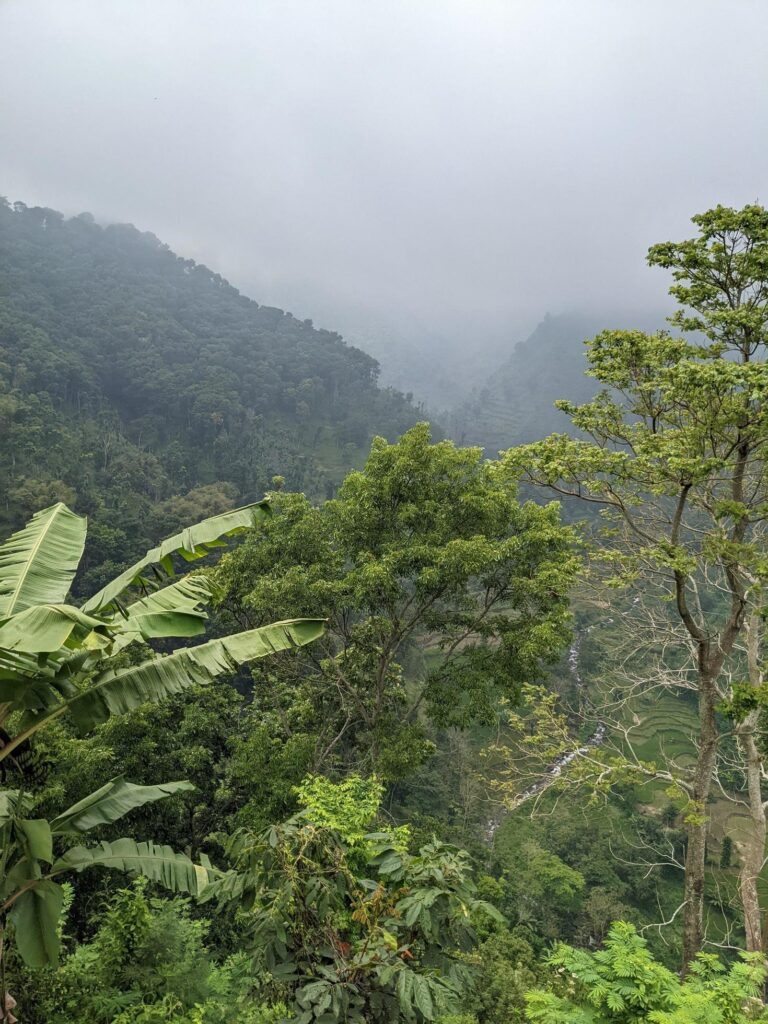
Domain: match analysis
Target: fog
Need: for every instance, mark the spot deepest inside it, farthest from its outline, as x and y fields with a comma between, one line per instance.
x=423, y=171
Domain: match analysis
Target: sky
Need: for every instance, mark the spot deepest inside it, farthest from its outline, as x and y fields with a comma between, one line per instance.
x=428, y=168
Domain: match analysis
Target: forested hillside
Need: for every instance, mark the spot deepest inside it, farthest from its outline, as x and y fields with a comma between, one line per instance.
x=410, y=750
x=146, y=391
x=517, y=403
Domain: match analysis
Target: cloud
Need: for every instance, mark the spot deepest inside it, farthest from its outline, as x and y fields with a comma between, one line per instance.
x=429, y=161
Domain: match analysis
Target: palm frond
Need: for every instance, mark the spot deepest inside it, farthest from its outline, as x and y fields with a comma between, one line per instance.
x=118, y=692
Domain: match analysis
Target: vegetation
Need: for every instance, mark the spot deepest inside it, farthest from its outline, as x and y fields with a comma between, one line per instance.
x=143, y=390
x=440, y=757
x=426, y=549
x=623, y=983
x=57, y=659
x=674, y=455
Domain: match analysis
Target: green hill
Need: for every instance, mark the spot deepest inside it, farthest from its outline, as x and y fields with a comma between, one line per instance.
x=516, y=405
x=144, y=389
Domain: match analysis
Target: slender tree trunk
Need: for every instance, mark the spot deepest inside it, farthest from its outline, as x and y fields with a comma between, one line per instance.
x=753, y=845
x=698, y=825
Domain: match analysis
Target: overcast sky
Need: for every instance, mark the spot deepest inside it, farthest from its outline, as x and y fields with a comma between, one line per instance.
x=435, y=161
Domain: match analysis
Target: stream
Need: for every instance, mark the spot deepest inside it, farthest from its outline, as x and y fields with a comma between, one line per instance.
x=555, y=770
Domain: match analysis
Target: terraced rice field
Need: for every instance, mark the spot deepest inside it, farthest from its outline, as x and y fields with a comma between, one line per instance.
x=662, y=729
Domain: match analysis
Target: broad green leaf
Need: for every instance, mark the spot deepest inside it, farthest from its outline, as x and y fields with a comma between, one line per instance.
x=38, y=563
x=111, y=802
x=117, y=692
x=45, y=628
x=176, y=610
x=422, y=997
x=35, y=916
x=9, y=799
x=37, y=838
x=404, y=989
x=158, y=863
x=193, y=542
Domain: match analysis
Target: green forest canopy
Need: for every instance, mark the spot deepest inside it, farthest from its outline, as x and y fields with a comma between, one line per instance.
x=147, y=392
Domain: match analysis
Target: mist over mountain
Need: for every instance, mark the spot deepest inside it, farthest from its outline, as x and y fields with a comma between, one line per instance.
x=440, y=364
x=515, y=404
x=143, y=389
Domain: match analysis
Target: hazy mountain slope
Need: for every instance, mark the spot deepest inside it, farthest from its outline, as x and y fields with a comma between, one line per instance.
x=130, y=377
x=516, y=403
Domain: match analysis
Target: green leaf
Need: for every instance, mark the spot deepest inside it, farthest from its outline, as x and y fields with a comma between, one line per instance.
x=422, y=997
x=118, y=692
x=38, y=563
x=176, y=610
x=193, y=542
x=111, y=802
x=37, y=839
x=45, y=628
x=35, y=916
x=158, y=863
x=404, y=989
x=9, y=801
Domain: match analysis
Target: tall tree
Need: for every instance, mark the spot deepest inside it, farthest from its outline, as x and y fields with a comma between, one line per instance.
x=442, y=592
x=673, y=453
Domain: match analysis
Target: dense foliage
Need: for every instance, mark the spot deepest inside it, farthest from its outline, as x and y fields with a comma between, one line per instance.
x=441, y=590
x=424, y=801
x=145, y=391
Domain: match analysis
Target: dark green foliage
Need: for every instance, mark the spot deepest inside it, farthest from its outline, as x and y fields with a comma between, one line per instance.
x=348, y=923
x=571, y=871
x=148, y=963
x=505, y=968
x=144, y=390
x=441, y=590
x=725, y=852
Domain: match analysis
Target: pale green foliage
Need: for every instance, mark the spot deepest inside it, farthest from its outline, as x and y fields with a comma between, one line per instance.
x=679, y=425
x=347, y=807
x=623, y=984
x=38, y=564
x=538, y=734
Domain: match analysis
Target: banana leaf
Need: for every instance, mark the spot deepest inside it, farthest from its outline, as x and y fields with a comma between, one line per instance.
x=193, y=542
x=38, y=564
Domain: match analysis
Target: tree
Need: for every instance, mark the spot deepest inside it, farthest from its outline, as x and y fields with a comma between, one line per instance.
x=355, y=927
x=441, y=591
x=672, y=452
x=623, y=984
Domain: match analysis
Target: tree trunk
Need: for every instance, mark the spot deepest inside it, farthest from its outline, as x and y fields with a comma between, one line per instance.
x=698, y=824
x=753, y=845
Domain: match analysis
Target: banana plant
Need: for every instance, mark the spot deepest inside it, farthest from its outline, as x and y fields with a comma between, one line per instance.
x=36, y=852
x=57, y=658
